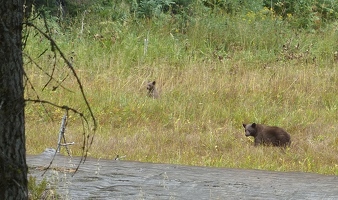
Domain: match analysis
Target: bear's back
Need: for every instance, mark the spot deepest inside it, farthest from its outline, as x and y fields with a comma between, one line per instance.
x=273, y=135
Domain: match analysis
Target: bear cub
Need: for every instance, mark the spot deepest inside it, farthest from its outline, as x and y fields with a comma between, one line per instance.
x=267, y=135
x=152, y=91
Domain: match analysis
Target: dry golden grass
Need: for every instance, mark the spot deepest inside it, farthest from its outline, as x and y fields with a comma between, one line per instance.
x=205, y=95
x=198, y=119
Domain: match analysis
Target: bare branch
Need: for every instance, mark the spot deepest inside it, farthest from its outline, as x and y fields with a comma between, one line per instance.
x=87, y=138
x=48, y=75
x=72, y=70
x=58, y=106
x=37, y=96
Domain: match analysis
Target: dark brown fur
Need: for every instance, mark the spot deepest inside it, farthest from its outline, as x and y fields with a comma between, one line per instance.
x=152, y=91
x=267, y=135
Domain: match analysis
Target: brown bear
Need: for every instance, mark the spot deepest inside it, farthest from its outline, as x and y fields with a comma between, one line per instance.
x=152, y=91
x=267, y=135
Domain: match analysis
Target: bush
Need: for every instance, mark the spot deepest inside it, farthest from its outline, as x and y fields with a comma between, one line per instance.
x=39, y=191
x=306, y=13
x=233, y=6
x=151, y=8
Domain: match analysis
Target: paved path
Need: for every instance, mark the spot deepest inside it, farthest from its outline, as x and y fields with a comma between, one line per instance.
x=110, y=179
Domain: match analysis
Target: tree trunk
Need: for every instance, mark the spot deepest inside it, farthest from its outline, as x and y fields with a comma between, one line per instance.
x=13, y=167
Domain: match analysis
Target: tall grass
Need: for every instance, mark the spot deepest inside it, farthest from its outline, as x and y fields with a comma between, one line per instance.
x=217, y=73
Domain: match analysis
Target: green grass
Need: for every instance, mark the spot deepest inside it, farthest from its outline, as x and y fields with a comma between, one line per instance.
x=223, y=71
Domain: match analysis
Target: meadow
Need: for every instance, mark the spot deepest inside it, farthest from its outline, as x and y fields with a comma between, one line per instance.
x=214, y=72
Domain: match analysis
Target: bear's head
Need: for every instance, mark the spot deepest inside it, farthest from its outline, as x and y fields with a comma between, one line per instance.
x=151, y=86
x=250, y=129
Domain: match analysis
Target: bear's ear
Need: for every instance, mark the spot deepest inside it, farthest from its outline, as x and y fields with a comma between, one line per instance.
x=244, y=125
x=253, y=125
x=154, y=82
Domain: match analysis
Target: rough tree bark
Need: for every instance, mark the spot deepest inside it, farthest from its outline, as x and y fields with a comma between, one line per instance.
x=13, y=167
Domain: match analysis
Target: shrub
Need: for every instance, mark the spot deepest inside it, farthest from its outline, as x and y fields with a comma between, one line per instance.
x=307, y=13
x=39, y=191
x=151, y=8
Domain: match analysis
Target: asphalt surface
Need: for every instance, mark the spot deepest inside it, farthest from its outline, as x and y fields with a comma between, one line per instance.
x=118, y=179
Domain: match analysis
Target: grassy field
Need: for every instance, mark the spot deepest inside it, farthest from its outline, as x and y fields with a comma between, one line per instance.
x=213, y=74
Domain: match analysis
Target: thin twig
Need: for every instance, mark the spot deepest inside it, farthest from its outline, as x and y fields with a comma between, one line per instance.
x=48, y=75
x=37, y=95
x=58, y=106
x=86, y=143
x=72, y=70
